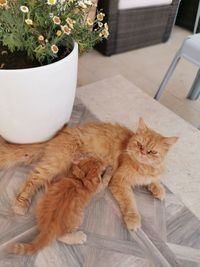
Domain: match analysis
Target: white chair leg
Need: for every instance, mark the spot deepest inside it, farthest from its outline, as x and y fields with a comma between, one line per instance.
x=194, y=92
x=168, y=75
x=197, y=19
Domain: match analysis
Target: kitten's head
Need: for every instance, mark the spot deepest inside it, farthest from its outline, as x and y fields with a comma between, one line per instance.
x=88, y=168
x=149, y=147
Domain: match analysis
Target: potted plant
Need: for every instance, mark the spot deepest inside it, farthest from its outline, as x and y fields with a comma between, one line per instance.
x=39, y=41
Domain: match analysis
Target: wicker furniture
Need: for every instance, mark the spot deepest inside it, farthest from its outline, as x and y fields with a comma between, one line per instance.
x=137, y=27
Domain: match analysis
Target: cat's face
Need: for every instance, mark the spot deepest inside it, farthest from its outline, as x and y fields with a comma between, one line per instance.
x=149, y=147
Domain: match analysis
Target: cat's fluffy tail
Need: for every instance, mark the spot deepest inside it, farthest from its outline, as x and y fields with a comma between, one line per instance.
x=41, y=241
x=13, y=155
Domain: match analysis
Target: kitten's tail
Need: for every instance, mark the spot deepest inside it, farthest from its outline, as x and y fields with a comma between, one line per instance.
x=41, y=241
x=13, y=155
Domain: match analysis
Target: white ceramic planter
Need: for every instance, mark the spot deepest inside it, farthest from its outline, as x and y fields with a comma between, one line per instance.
x=36, y=102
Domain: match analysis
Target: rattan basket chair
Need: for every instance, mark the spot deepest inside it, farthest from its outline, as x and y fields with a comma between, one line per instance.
x=136, y=27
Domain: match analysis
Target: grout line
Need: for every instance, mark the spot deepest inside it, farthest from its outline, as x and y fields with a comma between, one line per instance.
x=185, y=253
x=154, y=254
x=19, y=236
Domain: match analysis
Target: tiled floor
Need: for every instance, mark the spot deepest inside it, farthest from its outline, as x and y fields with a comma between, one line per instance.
x=169, y=237
x=145, y=68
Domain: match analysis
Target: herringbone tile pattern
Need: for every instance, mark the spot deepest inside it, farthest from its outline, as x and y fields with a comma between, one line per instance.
x=170, y=233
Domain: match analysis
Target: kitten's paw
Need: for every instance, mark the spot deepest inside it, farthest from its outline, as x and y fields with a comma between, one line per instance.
x=81, y=237
x=19, y=208
x=74, y=238
x=107, y=175
x=133, y=221
x=109, y=170
x=157, y=191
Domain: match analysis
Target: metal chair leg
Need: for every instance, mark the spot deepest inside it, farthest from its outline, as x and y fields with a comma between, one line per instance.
x=194, y=92
x=168, y=75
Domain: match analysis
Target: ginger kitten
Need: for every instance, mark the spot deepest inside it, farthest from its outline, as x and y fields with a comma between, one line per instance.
x=60, y=211
x=136, y=158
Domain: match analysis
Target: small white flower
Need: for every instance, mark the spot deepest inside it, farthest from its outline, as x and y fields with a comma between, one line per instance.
x=100, y=24
x=40, y=38
x=51, y=2
x=88, y=2
x=104, y=33
x=66, y=29
x=24, y=9
x=82, y=5
x=100, y=16
x=56, y=20
x=89, y=22
x=70, y=22
x=29, y=21
x=54, y=49
x=58, y=33
x=106, y=26
x=51, y=15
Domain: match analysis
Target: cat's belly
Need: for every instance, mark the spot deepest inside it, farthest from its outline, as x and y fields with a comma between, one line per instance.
x=108, y=160
x=107, y=155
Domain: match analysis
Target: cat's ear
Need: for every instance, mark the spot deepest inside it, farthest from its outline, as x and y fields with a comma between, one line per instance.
x=170, y=140
x=141, y=125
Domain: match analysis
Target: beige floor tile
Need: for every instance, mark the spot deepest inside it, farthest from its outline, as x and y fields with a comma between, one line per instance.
x=182, y=108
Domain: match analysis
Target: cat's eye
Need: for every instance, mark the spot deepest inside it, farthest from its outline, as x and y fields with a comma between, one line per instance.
x=152, y=152
x=139, y=145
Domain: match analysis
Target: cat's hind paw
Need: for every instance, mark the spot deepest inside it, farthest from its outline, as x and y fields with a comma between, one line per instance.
x=132, y=221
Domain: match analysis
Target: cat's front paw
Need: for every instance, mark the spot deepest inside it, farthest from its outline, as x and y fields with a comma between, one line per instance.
x=157, y=191
x=20, y=208
x=133, y=221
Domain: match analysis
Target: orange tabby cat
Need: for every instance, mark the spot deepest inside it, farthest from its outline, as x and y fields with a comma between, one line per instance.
x=60, y=211
x=136, y=158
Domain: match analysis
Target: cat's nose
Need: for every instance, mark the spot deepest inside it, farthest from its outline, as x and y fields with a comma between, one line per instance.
x=143, y=152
